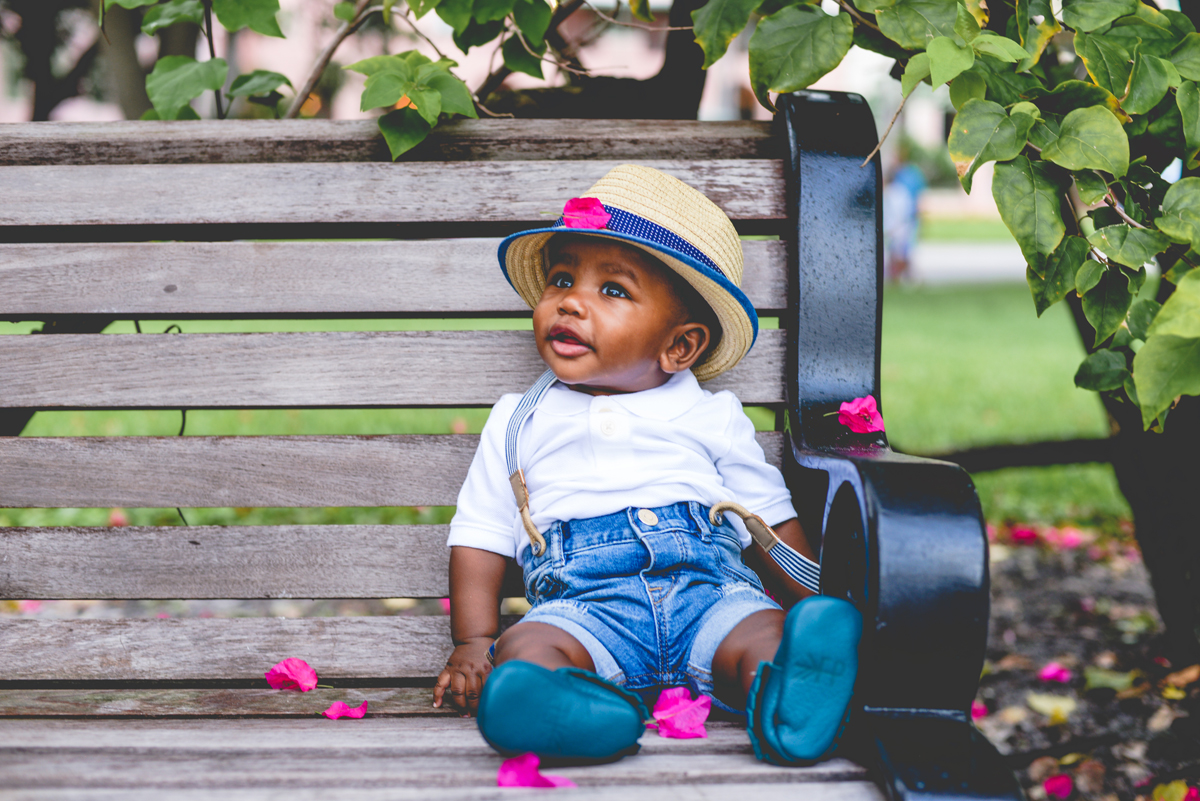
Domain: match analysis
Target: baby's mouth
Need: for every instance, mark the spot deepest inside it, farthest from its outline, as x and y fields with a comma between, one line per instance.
x=565, y=342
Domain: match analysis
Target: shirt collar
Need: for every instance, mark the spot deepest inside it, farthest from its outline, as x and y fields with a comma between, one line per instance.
x=681, y=392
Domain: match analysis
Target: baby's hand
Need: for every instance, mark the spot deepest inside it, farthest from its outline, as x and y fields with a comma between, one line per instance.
x=464, y=675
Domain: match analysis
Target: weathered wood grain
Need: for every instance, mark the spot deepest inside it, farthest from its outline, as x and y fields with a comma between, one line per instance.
x=310, y=141
x=162, y=472
x=156, y=703
x=464, y=192
x=835, y=791
x=455, y=276
x=134, y=649
x=225, y=562
x=354, y=369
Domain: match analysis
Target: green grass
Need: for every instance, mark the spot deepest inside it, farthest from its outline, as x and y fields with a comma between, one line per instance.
x=962, y=367
x=964, y=229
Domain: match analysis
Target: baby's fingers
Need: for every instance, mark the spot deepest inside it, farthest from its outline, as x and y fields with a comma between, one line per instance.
x=439, y=689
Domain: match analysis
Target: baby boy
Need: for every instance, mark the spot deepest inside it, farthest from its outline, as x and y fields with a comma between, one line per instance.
x=600, y=481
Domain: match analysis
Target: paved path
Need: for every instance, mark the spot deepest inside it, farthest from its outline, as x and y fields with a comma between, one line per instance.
x=967, y=262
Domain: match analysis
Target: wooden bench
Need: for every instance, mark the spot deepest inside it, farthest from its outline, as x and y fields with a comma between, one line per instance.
x=191, y=221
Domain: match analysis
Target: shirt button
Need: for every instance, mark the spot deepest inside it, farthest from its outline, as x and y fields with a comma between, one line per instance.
x=647, y=517
x=608, y=428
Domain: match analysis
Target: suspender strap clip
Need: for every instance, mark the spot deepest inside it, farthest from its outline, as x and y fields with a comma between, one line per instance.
x=521, y=493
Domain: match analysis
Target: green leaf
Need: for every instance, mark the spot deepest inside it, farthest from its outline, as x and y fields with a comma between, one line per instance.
x=1186, y=57
x=1179, y=22
x=377, y=64
x=1188, y=99
x=1043, y=133
x=1154, y=36
x=1089, y=274
x=1104, y=369
x=257, y=83
x=1005, y=86
x=1091, y=186
x=968, y=86
x=864, y=37
x=477, y=34
x=983, y=132
x=913, y=23
x=344, y=12
x=1061, y=267
x=128, y=3
x=1180, y=315
x=1035, y=35
x=1141, y=315
x=1148, y=83
x=948, y=60
x=170, y=13
x=1180, y=218
x=422, y=7
x=1099, y=678
x=491, y=10
x=185, y=113
x=387, y=11
x=403, y=129
x=1182, y=266
x=1107, y=63
x=1128, y=245
x=1165, y=368
x=1106, y=303
x=717, y=22
x=257, y=15
x=1001, y=47
x=455, y=13
x=428, y=103
x=916, y=71
x=533, y=18
x=1070, y=95
x=641, y=10
x=1090, y=139
x=1088, y=15
x=1028, y=195
x=794, y=47
x=456, y=97
x=965, y=24
x=178, y=80
x=518, y=59
x=384, y=90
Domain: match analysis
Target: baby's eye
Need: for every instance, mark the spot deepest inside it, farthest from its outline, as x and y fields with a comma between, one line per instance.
x=614, y=290
x=560, y=280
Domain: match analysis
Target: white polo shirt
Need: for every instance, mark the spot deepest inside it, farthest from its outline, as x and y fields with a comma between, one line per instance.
x=586, y=456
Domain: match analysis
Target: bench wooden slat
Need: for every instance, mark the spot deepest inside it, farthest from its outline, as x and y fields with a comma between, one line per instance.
x=456, y=276
x=230, y=702
x=162, y=472
x=312, y=141
x=134, y=649
x=225, y=562
x=352, y=369
x=464, y=192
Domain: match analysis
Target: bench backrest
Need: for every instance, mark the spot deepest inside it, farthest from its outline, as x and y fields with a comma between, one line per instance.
x=192, y=222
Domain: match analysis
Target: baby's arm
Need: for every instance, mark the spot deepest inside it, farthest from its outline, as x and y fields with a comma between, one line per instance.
x=476, y=577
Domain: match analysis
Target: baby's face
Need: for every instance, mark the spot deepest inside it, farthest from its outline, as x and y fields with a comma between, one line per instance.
x=608, y=318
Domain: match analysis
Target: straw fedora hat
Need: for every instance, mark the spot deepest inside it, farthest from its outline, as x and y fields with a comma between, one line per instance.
x=671, y=221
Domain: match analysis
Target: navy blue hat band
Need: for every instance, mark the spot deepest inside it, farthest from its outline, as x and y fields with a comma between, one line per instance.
x=624, y=222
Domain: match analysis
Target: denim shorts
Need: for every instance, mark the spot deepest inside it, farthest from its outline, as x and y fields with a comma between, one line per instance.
x=650, y=593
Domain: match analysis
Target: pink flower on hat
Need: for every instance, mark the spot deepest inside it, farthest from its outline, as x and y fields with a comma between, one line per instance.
x=585, y=212
x=861, y=415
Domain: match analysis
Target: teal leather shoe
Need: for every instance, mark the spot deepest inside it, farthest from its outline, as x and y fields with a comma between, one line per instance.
x=567, y=714
x=799, y=704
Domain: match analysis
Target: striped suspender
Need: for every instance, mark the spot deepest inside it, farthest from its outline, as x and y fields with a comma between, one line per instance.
x=512, y=455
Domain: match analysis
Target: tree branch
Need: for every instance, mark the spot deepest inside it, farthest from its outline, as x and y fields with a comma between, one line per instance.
x=412, y=24
x=854, y=13
x=492, y=82
x=641, y=25
x=883, y=138
x=343, y=32
x=212, y=54
x=1112, y=202
x=562, y=65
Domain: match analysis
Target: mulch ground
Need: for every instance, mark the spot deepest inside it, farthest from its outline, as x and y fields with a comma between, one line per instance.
x=1077, y=694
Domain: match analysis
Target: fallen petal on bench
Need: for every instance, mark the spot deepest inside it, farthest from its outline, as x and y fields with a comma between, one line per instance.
x=292, y=674
x=339, y=709
x=679, y=716
x=522, y=771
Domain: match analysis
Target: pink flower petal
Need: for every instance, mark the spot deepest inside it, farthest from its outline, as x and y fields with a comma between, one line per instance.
x=292, y=674
x=445, y=605
x=861, y=415
x=585, y=212
x=117, y=517
x=679, y=717
x=29, y=606
x=1060, y=786
x=1053, y=671
x=339, y=709
x=522, y=771
x=978, y=710
x=1023, y=535
x=1193, y=794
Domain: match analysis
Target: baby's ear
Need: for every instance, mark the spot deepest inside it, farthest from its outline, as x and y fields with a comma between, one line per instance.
x=690, y=341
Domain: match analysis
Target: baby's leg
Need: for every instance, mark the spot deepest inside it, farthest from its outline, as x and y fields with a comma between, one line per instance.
x=542, y=644
x=735, y=664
